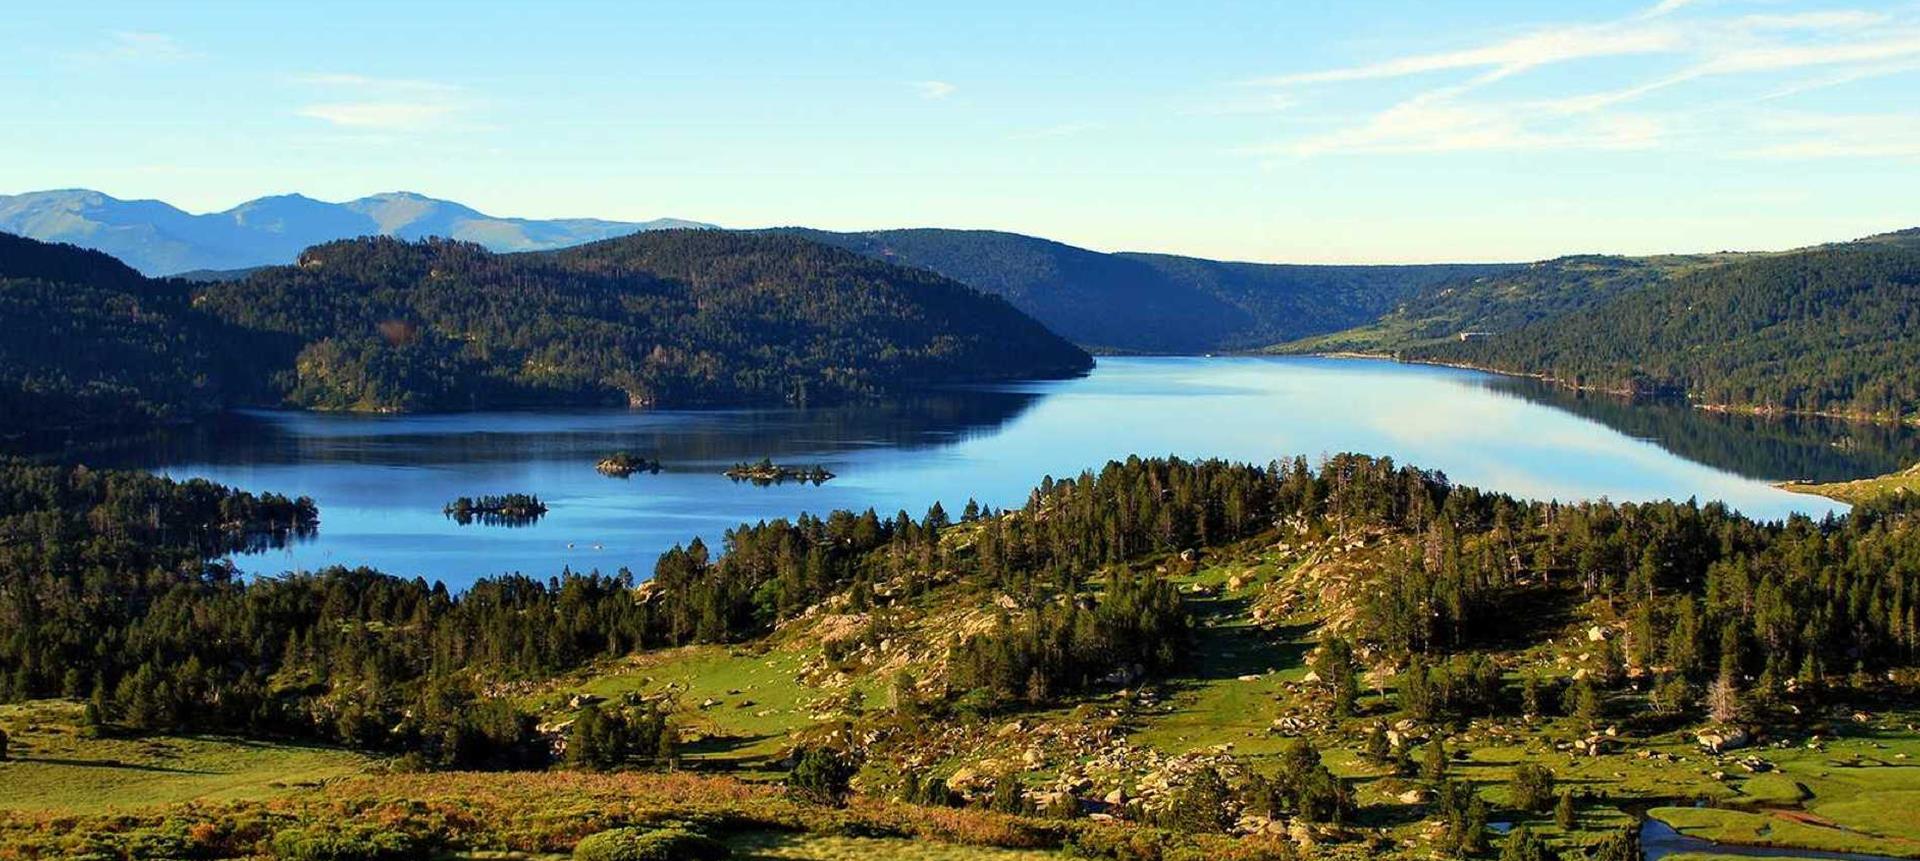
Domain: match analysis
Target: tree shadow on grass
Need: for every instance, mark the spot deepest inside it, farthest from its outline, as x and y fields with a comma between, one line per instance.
x=110, y=763
x=724, y=753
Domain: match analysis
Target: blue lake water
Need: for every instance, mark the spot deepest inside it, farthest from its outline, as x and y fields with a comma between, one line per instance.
x=381, y=481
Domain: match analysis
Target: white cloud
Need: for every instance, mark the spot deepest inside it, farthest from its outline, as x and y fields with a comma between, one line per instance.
x=137, y=46
x=1504, y=58
x=934, y=89
x=1665, y=7
x=1845, y=45
x=389, y=104
x=1441, y=124
x=379, y=115
x=1060, y=130
x=1814, y=136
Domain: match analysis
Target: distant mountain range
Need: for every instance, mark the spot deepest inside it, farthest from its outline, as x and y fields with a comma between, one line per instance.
x=160, y=239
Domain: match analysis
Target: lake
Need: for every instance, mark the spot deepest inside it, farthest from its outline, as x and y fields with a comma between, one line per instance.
x=381, y=481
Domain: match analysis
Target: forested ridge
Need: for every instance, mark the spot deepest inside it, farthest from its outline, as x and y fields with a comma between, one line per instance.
x=1830, y=329
x=677, y=318
x=1495, y=303
x=1152, y=303
x=91, y=343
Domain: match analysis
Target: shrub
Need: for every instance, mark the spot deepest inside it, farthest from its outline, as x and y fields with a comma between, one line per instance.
x=1531, y=788
x=1523, y=845
x=344, y=843
x=822, y=775
x=649, y=844
x=1199, y=805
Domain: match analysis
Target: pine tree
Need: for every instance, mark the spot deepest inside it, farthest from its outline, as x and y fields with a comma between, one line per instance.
x=1563, y=814
x=1433, y=768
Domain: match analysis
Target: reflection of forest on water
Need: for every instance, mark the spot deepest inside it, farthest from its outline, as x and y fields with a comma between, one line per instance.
x=1766, y=448
x=679, y=439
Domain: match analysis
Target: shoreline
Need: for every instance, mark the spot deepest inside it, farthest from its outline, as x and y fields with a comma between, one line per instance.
x=1549, y=379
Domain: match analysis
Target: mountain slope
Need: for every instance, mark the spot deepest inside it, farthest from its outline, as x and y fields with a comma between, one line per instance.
x=1829, y=329
x=159, y=239
x=1502, y=301
x=675, y=317
x=90, y=342
x=669, y=317
x=1151, y=302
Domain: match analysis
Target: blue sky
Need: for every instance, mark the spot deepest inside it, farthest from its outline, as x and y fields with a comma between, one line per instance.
x=1288, y=131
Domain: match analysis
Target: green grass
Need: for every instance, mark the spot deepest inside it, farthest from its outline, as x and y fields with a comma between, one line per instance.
x=1218, y=704
x=741, y=705
x=1856, y=492
x=768, y=845
x=54, y=767
x=1768, y=829
x=794, y=846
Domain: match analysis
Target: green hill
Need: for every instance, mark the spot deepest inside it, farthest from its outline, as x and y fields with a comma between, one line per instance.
x=667, y=318
x=1501, y=301
x=91, y=343
x=1152, y=303
x=1829, y=329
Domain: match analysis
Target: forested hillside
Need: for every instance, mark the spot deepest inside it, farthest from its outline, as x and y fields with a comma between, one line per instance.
x=91, y=343
x=1830, y=329
x=668, y=317
x=1152, y=303
x=1493, y=303
x=678, y=318
x=1168, y=644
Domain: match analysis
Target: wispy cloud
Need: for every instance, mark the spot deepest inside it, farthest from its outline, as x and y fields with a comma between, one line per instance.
x=1681, y=48
x=138, y=46
x=934, y=89
x=1502, y=58
x=1060, y=130
x=1805, y=135
x=383, y=104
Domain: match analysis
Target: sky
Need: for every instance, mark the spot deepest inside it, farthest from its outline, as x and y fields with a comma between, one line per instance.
x=1279, y=131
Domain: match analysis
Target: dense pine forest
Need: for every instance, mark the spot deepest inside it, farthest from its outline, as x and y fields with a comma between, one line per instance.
x=671, y=317
x=675, y=318
x=92, y=343
x=1502, y=301
x=1829, y=329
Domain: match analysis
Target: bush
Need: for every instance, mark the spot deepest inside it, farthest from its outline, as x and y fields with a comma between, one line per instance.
x=822, y=775
x=1199, y=805
x=649, y=844
x=1531, y=788
x=344, y=843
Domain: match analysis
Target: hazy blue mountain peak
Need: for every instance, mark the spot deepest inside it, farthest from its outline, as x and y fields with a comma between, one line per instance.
x=158, y=238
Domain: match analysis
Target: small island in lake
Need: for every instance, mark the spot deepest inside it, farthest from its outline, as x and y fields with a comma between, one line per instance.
x=513, y=509
x=767, y=472
x=620, y=464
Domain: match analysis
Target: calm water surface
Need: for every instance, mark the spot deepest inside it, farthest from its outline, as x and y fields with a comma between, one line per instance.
x=381, y=481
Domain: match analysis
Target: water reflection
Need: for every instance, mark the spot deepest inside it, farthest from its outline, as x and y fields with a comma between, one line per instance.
x=1802, y=448
x=382, y=482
